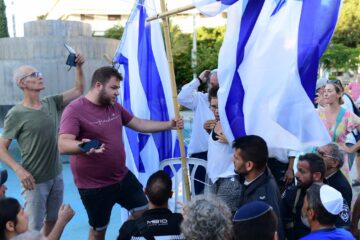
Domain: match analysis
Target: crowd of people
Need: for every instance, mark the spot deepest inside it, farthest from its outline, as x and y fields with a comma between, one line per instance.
x=253, y=192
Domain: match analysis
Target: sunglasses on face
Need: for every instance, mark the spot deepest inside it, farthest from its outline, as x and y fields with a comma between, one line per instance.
x=33, y=75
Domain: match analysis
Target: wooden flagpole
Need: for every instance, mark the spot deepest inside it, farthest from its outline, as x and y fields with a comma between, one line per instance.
x=171, y=12
x=185, y=174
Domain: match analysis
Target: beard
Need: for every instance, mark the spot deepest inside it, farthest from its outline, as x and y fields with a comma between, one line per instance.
x=103, y=99
x=304, y=185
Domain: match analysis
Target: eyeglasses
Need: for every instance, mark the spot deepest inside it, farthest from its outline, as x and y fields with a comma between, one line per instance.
x=335, y=81
x=322, y=154
x=33, y=75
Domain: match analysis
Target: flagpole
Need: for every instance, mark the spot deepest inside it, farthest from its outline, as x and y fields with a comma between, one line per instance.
x=175, y=100
x=171, y=12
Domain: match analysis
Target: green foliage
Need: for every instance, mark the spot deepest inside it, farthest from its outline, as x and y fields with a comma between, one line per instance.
x=114, y=32
x=41, y=17
x=181, y=44
x=343, y=53
x=3, y=21
x=348, y=27
x=341, y=57
x=209, y=41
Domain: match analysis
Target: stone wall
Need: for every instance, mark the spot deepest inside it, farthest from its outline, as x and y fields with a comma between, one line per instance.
x=43, y=47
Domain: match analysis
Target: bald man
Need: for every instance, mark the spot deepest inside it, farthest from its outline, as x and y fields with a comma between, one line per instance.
x=34, y=124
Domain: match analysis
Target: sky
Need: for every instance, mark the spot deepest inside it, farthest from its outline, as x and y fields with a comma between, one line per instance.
x=27, y=10
x=24, y=11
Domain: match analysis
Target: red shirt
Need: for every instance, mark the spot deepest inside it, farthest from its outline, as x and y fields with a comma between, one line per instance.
x=85, y=119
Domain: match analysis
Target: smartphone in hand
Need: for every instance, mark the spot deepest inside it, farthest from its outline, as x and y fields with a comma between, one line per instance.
x=72, y=56
x=86, y=146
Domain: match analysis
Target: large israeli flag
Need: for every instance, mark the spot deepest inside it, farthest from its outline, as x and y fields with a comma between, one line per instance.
x=268, y=68
x=212, y=7
x=146, y=91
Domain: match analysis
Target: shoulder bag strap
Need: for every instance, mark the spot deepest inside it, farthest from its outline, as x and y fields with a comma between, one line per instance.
x=338, y=120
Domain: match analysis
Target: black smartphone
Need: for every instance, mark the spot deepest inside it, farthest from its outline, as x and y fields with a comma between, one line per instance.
x=72, y=56
x=86, y=146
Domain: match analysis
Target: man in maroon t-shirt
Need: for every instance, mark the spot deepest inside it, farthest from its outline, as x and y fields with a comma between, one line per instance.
x=100, y=173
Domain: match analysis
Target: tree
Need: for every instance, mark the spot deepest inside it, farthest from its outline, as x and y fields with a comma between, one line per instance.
x=3, y=21
x=181, y=44
x=348, y=27
x=114, y=32
x=341, y=58
x=209, y=41
x=343, y=52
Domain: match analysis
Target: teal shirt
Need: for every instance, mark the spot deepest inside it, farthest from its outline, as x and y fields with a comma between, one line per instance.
x=36, y=132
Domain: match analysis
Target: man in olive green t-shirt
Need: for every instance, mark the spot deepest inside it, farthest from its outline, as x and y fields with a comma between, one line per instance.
x=34, y=124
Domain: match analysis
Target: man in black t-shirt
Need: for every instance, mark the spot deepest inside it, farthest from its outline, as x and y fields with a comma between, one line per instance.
x=158, y=220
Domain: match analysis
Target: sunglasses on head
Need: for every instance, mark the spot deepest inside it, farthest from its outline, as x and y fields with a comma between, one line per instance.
x=335, y=81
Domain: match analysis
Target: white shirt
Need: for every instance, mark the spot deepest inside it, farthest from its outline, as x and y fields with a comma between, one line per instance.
x=199, y=103
x=281, y=154
x=219, y=162
x=348, y=106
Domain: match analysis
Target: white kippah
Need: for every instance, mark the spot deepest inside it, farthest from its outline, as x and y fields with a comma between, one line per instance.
x=331, y=199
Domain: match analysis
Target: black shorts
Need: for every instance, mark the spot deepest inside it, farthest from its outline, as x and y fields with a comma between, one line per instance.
x=99, y=202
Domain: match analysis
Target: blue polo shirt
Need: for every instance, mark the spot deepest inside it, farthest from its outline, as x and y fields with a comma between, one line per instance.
x=329, y=234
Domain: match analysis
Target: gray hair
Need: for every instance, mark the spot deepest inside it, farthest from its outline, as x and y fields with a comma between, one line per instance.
x=29, y=235
x=207, y=218
x=19, y=73
x=336, y=153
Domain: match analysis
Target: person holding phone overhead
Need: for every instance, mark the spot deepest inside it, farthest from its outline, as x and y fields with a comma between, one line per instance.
x=100, y=173
x=34, y=124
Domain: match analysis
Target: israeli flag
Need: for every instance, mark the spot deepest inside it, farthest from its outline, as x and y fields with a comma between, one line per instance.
x=268, y=67
x=145, y=91
x=212, y=7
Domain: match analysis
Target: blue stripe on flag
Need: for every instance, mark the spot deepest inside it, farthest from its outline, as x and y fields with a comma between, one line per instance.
x=131, y=134
x=153, y=87
x=317, y=25
x=279, y=5
x=227, y=2
x=234, y=103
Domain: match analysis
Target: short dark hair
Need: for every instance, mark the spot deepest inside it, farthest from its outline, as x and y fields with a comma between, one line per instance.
x=104, y=74
x=212, y=93
x=316, y=163
x=159, y=188
x=253, y=148
x=250, y=229
x=9, y=208
x=314, y=202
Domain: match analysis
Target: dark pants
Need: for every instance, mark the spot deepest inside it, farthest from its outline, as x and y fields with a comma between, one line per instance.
x=200, y=173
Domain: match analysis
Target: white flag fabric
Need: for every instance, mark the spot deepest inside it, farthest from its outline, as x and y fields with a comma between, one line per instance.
x=212, y=7
x=268, y=69
x=146, y=91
